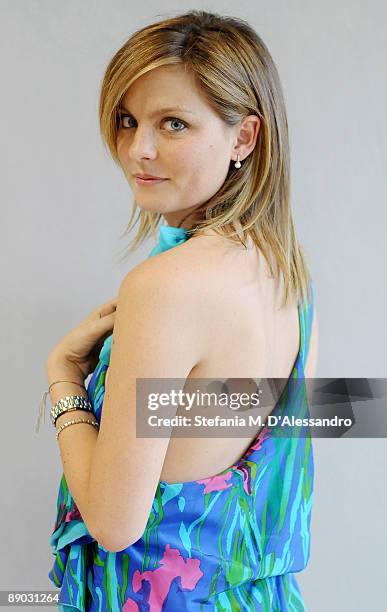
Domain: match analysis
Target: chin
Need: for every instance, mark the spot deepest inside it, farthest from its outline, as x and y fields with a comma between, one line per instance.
x=152, y=207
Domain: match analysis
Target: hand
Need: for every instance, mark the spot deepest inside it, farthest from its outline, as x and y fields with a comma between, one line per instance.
x=81, y=347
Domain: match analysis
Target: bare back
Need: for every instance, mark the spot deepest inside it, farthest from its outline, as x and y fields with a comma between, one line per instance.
x=246, y=335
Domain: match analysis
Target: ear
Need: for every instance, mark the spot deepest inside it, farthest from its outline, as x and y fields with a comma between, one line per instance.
x=246, y=137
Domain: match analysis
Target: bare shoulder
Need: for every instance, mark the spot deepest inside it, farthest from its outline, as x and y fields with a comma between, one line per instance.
x=181, y=270
x=165, y=295
x=186, y=284
x=176, y=271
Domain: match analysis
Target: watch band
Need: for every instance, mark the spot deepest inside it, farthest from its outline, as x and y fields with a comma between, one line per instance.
x=69, y=404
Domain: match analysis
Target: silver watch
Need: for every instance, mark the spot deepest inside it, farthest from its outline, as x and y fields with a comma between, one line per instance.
x=68, y=404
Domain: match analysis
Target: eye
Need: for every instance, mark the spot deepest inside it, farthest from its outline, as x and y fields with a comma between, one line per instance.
x=123, y=121
x=174, y=120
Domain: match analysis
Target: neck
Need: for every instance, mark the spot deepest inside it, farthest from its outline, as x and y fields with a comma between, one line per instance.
x=177, y=219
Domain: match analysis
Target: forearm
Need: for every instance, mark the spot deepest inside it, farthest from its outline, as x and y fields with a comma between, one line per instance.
x=76, y=442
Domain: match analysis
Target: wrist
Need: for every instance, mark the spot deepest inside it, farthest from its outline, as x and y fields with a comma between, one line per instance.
x=62, y=390
x=59, y=368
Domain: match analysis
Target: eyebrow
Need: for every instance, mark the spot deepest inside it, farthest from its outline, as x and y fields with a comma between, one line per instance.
x=161, y=111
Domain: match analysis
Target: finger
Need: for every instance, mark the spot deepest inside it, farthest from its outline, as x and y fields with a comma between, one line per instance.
x=104, y=323
x=107, y=308
x=106, y=312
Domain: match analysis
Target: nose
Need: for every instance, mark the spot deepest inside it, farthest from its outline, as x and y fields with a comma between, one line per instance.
x=143, y=145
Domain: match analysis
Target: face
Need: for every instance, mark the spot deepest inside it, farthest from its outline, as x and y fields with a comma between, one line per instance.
x=188, y=146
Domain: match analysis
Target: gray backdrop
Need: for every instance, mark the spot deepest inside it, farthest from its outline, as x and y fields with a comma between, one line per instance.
x=65, y=204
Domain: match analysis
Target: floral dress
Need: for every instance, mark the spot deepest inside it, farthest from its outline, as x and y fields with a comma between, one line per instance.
x=231, y=542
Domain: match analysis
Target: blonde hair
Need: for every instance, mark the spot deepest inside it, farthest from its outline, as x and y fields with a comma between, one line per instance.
x=237, y=76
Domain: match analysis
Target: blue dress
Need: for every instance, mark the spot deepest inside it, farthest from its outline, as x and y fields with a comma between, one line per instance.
x=233, y=541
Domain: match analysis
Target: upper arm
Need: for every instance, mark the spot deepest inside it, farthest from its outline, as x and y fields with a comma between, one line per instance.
x=154, y=337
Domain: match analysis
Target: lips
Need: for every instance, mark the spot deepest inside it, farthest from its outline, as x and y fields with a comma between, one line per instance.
x=149, y=177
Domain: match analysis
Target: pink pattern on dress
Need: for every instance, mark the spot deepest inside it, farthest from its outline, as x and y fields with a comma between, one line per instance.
x=261, y=437
x=216, y=483
x=172, y=565
x=73, y=515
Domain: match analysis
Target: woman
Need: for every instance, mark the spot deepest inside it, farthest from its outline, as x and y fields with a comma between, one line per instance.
x=191, y=109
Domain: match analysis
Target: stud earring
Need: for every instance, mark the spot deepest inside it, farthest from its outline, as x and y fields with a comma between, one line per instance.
x=237, y=163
